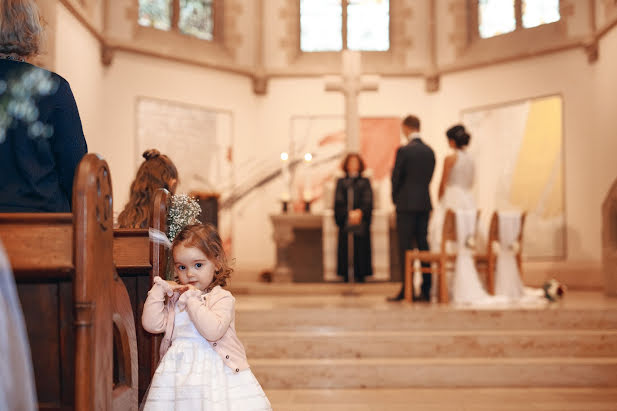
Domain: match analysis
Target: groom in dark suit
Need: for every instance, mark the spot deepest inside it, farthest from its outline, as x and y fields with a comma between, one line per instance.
x=411, y=176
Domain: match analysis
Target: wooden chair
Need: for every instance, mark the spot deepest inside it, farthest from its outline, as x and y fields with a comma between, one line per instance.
x=138, y=261
x=491, y=256
x=76, y=308
x=438, y=260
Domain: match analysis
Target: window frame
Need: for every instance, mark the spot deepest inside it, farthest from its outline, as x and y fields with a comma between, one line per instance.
x=518, y=16
x=345, y=5
x=174, y=29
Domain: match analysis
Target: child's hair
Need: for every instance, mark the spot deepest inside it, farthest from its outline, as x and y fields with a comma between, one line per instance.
x=157, y=171
x=207, y=240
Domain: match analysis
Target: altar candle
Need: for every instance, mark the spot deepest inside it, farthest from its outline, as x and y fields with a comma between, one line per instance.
x=285, y=175
x=308, y=194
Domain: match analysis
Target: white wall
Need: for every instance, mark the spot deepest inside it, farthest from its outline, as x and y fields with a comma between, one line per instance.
x=78, y=61
x=132, y=76
x=567, y=74
x=603, y=123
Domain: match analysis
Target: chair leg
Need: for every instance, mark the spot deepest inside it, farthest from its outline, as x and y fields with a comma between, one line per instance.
x=443, y=287
x=408, y=278
x=490, y=276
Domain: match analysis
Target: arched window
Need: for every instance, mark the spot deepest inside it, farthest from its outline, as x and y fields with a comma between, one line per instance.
x=496, y=17
x=334, y=25
x=191, y=17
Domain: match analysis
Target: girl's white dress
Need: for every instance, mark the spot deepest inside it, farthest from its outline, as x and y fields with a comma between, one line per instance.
x=192, y=376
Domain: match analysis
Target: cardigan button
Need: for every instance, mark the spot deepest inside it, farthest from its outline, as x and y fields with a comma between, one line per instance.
x=227, y=356
x=237, y=369
x=214, y=344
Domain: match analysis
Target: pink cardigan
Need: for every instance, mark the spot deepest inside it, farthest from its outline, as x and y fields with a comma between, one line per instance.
x=213, y=315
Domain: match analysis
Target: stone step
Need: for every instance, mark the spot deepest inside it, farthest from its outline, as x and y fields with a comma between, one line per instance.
x=243, y=287
x=425, y=318
x=435, y=373
x=434, y=344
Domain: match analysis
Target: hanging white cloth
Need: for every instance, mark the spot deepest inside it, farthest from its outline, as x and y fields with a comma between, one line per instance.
x=17, y=390
x=507, y=276
x=466, y=286
x=508, y=281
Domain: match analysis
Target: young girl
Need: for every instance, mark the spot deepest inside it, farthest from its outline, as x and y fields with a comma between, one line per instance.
x=205, y=368
x=157, y=171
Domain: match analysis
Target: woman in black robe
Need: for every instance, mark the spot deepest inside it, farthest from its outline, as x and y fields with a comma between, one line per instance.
x=354, y=218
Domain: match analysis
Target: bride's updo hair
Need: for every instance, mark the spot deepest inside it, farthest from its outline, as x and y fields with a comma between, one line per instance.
x=459, y=135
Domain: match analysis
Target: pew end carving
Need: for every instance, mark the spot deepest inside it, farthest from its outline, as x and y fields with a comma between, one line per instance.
x=73, y=299
x=138, y=261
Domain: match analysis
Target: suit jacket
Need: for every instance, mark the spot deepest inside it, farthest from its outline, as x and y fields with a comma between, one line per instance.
x=411, y=176
x=213, y=315
x=39, y=152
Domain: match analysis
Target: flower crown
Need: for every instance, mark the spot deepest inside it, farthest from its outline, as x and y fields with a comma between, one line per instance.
x=183, y=211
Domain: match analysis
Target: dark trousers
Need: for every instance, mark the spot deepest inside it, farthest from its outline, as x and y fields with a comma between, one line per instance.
x=412, y=228
x=362, y=259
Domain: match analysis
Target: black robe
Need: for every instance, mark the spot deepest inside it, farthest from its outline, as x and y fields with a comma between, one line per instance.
x=363, y=200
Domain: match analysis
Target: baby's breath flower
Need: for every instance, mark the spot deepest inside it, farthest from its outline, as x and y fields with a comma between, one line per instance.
x=183, y=211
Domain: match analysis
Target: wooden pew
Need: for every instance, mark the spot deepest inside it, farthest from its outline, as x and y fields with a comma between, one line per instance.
x=77, y=310
x=138, y=261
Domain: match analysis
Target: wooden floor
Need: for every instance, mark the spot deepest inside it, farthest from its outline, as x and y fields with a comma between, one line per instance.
x=479, y=399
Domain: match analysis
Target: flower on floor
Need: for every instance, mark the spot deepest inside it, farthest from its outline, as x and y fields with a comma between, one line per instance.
x=554, y=290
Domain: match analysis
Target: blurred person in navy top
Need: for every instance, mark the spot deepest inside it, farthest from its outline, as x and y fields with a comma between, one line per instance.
x=41, y=137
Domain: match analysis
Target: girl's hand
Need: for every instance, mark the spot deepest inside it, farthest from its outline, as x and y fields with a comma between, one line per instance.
x=177, y=287
x=355, y=217
x=191, y=287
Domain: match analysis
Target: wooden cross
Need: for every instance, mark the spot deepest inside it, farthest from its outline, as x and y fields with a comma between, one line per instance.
x=351, y=83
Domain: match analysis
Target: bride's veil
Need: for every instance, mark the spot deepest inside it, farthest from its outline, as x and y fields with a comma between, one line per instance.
x=17, y=390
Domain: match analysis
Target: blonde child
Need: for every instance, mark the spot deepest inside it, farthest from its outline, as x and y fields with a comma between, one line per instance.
x=203, y=364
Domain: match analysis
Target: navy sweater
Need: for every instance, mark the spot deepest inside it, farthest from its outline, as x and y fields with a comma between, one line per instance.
x=41, y=139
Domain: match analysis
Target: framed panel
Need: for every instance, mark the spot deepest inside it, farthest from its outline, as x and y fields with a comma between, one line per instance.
x=518, y=149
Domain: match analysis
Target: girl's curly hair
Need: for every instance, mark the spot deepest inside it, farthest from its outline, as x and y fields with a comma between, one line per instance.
x=207, y=240
x=157, y=171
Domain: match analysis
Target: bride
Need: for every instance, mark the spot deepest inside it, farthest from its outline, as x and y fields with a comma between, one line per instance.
x=455, y=193
x=455, y=189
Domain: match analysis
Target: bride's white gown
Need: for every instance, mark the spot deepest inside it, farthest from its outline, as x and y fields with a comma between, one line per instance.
x=458, y=195
x=465, y=285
